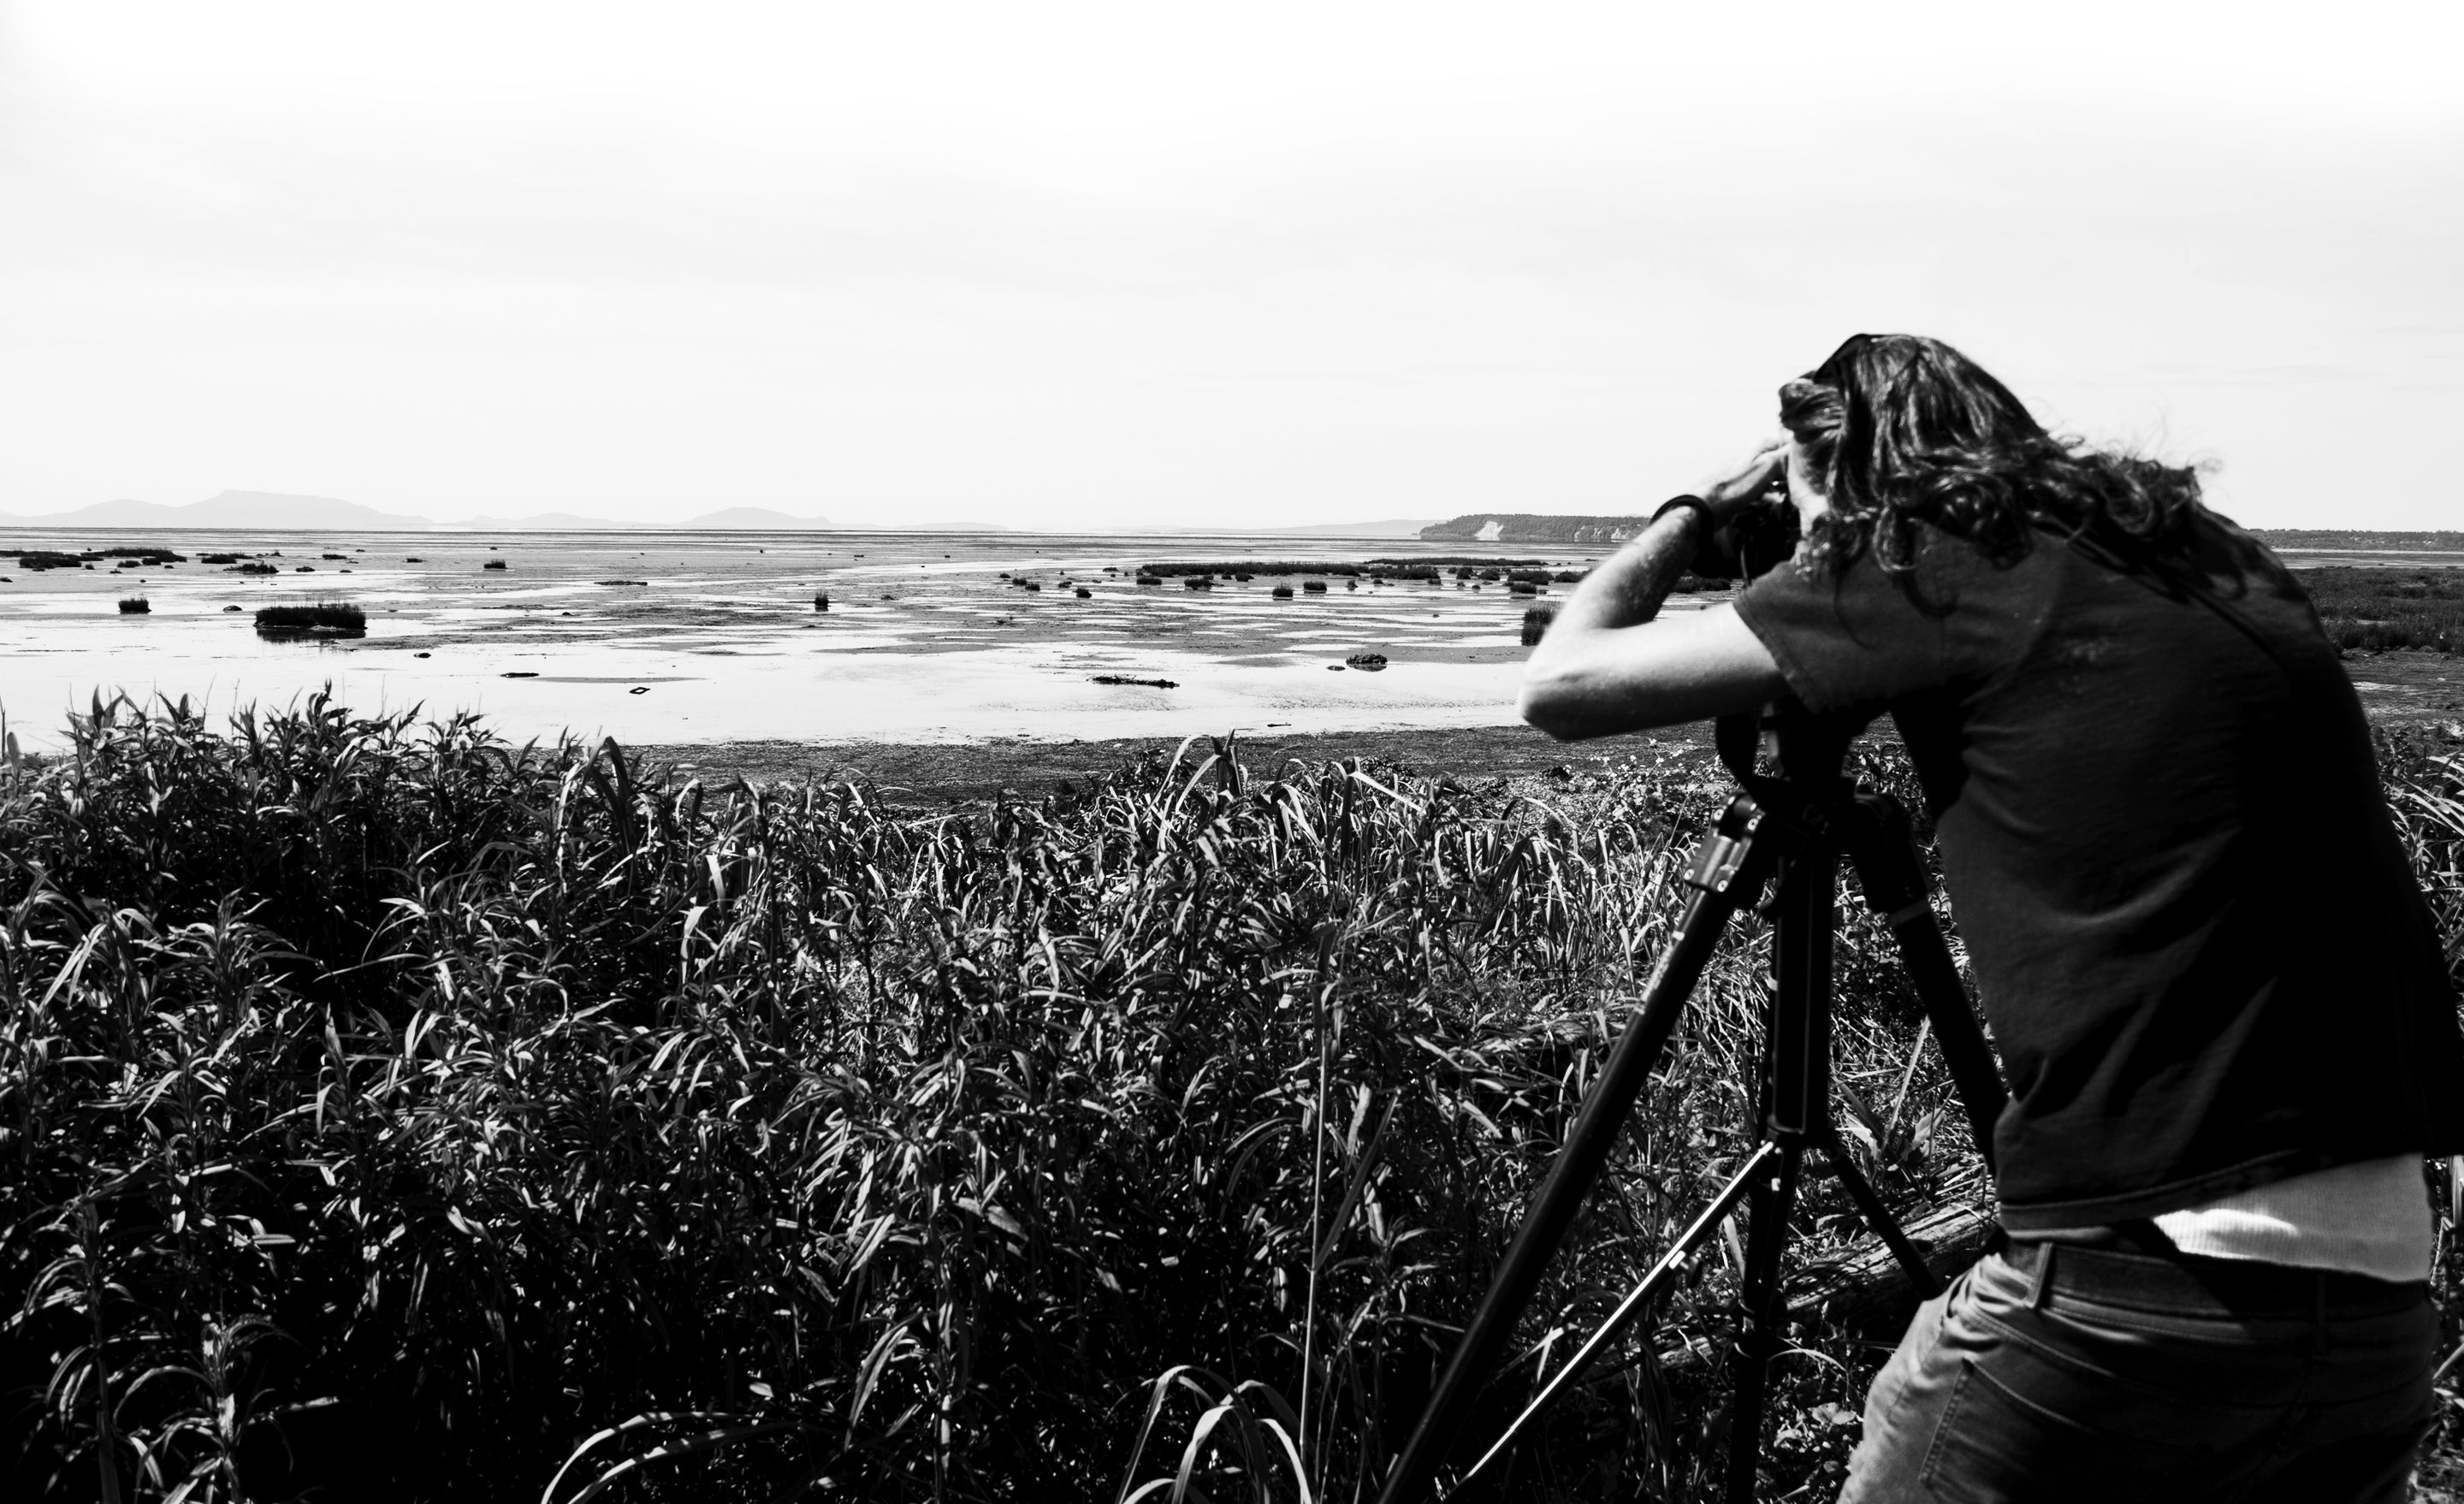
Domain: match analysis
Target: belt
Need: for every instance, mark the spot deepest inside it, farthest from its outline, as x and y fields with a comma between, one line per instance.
x=2186, y=1282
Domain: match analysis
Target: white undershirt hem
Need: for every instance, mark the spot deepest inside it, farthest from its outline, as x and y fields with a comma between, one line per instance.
x=2369, y=1218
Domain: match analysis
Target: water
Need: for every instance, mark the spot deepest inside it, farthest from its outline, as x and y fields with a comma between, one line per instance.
x=923, y=641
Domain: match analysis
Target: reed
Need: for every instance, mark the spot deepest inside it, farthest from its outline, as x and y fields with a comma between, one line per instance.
x=389, y=1109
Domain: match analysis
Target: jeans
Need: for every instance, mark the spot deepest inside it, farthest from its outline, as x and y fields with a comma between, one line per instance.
x=2061, y=1372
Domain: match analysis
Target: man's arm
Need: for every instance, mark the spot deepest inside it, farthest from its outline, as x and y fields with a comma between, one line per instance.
x=1607, y=666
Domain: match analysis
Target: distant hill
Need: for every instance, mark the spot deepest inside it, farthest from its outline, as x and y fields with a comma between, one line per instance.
x=753, y=518
x=236, y=509
x=1528, y=527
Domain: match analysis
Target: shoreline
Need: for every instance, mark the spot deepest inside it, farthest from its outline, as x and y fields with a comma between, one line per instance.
x=2398, y=688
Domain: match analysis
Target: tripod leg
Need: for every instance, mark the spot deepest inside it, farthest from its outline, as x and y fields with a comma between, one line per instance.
x=1729, y=869
x=1878, y=1217
x=1774, y=1196
x=1893, y=879
x=1756, y=1168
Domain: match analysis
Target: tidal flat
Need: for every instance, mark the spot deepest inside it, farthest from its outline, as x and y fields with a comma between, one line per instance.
x=713, y=638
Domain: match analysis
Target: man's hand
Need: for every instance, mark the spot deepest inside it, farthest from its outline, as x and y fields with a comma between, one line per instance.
x=1727, y=495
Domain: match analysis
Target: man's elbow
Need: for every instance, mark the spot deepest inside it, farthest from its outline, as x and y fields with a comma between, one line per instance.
x=1549, y=704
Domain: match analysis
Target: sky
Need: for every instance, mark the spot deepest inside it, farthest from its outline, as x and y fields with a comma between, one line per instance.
x=1074, y=265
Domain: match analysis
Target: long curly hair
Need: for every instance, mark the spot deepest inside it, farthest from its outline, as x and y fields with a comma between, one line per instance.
x=1903, y=434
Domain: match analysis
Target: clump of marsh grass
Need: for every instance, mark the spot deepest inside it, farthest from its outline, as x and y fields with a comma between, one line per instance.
x=327, y=618
x=135, y=605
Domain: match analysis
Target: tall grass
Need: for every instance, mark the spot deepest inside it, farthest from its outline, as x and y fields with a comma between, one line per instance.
x=389, y=1109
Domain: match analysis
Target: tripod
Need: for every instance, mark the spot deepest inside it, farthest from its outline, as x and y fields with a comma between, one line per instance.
x=1792, y=829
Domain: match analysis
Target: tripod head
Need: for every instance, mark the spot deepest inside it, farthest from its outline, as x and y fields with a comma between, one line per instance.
x=1805, y=752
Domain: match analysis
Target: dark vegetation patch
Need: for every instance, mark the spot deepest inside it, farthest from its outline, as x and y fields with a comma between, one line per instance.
x=125, y=555
x=1123, y=678
x=1536, y=622
x=135, y=605
x=1471, y=560
x=254, y=567
x=2373, y=609
x=493, y=564
x=319, y=618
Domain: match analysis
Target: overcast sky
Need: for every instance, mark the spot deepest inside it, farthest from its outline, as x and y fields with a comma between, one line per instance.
x=1064, y=264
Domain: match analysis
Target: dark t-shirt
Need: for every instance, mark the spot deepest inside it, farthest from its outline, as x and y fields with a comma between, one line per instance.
x=2197, y=940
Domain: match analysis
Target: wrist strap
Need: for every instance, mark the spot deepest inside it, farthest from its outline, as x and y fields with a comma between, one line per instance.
x=1689, y=500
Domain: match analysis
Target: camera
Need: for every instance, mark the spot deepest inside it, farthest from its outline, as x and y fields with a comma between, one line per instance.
x=1760, y=537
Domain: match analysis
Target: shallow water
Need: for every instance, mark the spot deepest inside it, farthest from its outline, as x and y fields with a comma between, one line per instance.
x=923, y=641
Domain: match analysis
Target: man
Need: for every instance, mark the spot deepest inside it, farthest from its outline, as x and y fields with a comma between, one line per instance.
x=2227, y=1023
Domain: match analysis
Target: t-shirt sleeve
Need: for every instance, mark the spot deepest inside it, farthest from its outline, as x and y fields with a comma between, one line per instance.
x=1848, y=639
